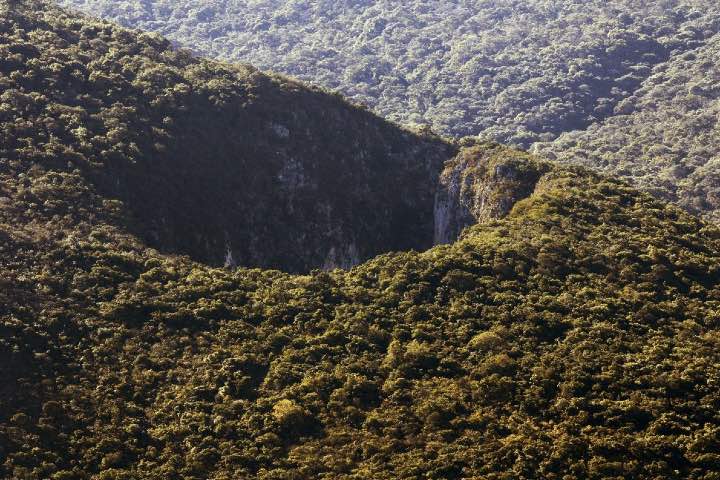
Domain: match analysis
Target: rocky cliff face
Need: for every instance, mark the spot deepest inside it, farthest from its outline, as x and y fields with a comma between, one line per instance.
x=293, y=179
x=225, y=164
x=481, y=184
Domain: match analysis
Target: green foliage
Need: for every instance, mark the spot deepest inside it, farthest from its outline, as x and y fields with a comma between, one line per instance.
x=514, y=71
x=664, y=136
x=578, y=337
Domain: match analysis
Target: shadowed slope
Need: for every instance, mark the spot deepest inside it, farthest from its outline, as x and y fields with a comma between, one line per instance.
x=221, y=163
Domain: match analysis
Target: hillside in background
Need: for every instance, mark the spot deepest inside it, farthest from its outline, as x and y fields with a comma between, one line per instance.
x=573, y=333
x=665, y=137
x=514, y=71
x=633, y=82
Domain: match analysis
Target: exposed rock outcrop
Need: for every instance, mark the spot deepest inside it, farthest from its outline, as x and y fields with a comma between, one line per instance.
x=482, y=183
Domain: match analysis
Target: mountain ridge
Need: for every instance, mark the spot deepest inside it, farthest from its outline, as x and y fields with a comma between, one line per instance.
x=533, y=74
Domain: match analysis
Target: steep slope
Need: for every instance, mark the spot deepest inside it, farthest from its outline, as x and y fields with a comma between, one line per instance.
x=665, y=137
x=481, y=184
x=221, y=163
x=515, y=71
x=576, y=337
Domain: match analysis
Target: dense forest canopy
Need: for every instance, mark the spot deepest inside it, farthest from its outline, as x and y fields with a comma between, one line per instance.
x=516, y=71
x=629, y=86
x=577, y=337
x=665, y=137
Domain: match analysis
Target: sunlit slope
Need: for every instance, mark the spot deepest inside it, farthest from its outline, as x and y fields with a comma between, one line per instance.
x=578, y=336
x=665, y=137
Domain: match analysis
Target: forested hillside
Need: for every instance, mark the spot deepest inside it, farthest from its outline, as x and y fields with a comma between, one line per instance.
x=515, y=71
x=219, y=162
x=665, y=137
x=574, y=333
x=629, y=85
x=578, y=337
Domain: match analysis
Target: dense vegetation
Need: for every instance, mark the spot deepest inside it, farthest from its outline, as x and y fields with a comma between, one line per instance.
x=637, y=79
x=665, y=137
x=219, y=162
x=517, y=71
x=578, y=337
